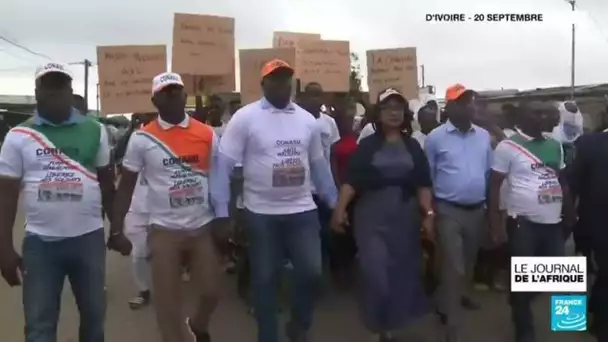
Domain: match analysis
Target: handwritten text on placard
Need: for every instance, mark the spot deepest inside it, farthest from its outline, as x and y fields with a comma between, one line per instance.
x=203, y=44
x=392, y=68
x=125, y=76
x=326, y=62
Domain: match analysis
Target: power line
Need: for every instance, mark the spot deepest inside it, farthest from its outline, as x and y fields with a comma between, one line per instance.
x=24, y=48
x=8, y=52
x=26, y=67
x=15, y=69
x=596, y=23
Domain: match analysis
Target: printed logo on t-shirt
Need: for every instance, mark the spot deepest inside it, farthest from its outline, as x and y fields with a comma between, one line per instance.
x=549, y=190
x=50, y=152
x=60, y=184
x=187, y=189
x=183, y=166
x=289, y=171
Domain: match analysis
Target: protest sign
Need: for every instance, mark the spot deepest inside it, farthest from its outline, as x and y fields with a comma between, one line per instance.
x=283, y=39
x=326, y=62
x=125, y=76
x=202, y=45
x=392, y=68
x=200, y=85
x=251, y=64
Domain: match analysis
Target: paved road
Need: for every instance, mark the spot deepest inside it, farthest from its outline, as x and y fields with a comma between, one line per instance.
x=336, y=319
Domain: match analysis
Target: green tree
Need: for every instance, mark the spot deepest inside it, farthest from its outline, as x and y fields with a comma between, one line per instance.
x=355, y=73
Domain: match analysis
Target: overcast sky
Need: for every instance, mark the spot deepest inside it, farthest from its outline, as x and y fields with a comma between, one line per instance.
x=480, y=55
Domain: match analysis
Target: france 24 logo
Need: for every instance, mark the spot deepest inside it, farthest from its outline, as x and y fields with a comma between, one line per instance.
x=569, y=313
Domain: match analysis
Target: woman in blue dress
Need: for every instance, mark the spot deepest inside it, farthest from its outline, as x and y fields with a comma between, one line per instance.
x=388, y=175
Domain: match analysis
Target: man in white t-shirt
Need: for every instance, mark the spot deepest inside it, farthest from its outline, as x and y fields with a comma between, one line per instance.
x=136, y=229
x=176, y=155
x=57, y=163
x=280, y=148
x=537, y=197
x=312, y=102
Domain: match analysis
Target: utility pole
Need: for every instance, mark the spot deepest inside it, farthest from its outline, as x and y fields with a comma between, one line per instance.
x=422, y=72
x=87, y=65
x=573, y=52
x=97, y=99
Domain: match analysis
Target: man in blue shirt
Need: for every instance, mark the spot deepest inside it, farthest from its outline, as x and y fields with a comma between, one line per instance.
x=459, y=155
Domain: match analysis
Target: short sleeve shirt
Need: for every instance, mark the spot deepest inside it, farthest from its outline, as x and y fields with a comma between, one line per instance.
x=274, y=147
x=531, y=169
x=175, y=161
x=62, y=198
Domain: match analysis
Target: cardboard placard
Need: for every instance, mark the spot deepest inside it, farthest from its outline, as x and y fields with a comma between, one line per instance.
x=202, y=45
x=125, y=76
x=282, y=39
x=251, y=63
x=291, y=40
x=392, y=68
x=205, y=85
x=326, y=62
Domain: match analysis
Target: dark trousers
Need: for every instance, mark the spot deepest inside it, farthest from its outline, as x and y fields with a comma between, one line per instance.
x=530, y=239
x=47, y=263
x=598, y=301
x=324, y=213
x=338, y=249
x=489, y=262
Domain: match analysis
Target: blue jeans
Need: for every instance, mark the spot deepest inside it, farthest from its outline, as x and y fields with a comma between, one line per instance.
x=324, y=213
x=530, y=239
x=270, y=237
x=47, y=263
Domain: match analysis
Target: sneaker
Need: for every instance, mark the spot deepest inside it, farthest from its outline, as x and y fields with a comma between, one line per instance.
x=197, y=336
x=140, y=301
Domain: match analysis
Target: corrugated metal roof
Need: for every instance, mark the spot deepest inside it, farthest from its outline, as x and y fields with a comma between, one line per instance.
x=583, y=90
x=18, y=99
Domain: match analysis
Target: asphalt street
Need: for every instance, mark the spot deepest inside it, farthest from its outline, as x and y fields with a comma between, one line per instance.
x=336, y=319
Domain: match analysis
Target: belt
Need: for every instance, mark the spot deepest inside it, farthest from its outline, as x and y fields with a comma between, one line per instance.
x=467, y=206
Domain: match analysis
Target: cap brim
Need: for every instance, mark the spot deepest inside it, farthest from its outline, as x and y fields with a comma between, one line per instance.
x=51, y=71
x=165, y=85
x=283, y=68
x=460, y=93
x=393, y=95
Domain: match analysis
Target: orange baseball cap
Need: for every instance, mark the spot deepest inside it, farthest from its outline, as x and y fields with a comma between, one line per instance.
x=454, y=92
x=275, y=65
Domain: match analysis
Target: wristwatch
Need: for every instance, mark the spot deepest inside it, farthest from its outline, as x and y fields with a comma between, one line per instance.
x=430, y=213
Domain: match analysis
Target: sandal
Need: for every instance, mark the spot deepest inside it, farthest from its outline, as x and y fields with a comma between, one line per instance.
x=142, y=300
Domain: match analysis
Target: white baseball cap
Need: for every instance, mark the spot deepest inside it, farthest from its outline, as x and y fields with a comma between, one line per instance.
x=385, y=94
x=53, y=68
x=165, y=79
